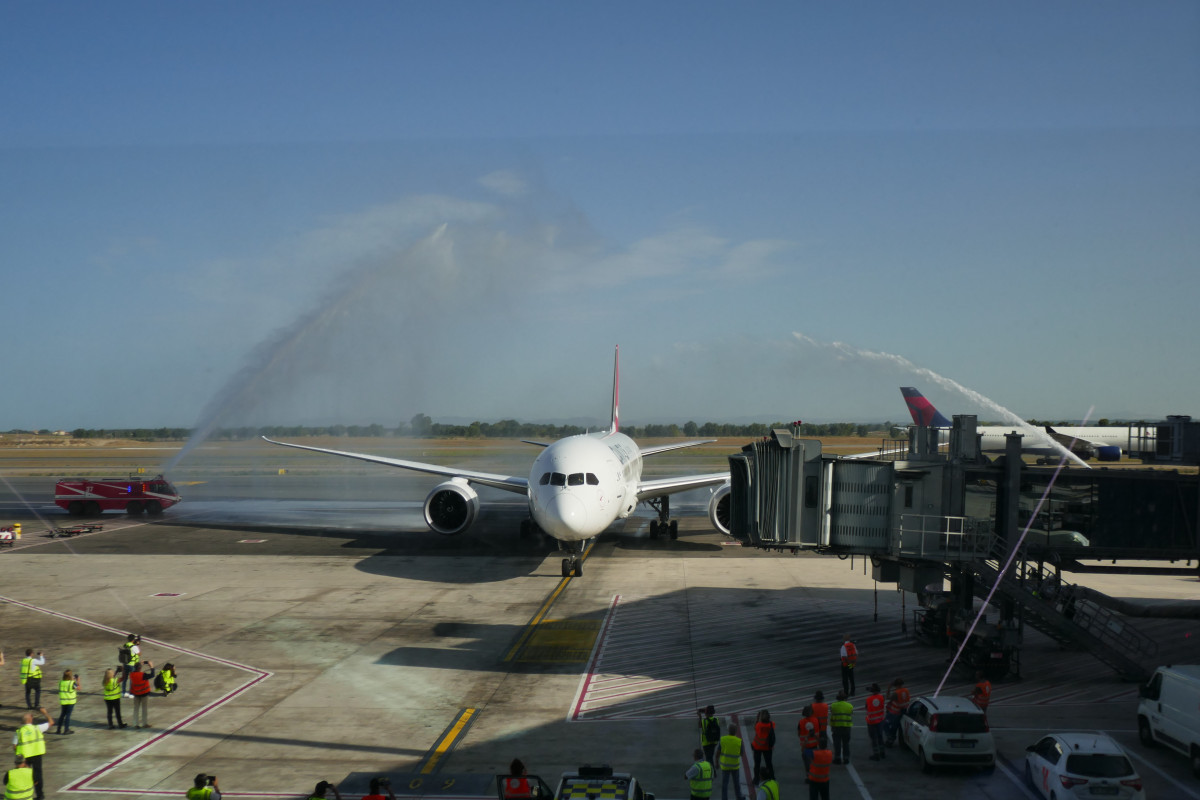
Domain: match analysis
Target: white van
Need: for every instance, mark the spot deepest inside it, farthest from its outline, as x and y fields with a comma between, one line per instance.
x=1169, y=711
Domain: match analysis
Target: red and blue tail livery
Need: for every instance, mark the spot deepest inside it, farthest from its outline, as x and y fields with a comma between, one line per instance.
x=922, y=411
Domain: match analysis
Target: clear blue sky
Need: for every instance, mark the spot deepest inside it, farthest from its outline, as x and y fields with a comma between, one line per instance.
x=283, y=212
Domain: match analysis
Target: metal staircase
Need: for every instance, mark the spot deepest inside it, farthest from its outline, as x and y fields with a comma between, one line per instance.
x=1067, y=614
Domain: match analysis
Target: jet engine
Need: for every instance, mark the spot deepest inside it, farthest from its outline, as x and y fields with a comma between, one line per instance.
x=718, y=508
x=1108, y=452
x=451, y=507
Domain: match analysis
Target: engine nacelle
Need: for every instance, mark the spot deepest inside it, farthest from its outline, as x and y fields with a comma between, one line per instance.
x=451, y=507
x=1108, y=452
x=718, y=508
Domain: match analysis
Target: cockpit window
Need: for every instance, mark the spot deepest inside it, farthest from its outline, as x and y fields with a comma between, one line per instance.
x=545, y=478
x=592, y=480
x=575, y=479
x=558, y=479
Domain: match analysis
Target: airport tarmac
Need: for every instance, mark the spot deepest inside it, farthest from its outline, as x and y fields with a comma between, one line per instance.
x=322, y=635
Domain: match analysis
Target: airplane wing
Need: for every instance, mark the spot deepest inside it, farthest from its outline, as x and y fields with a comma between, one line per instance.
x=662, y=448
x=664, y=486
x=506, y=483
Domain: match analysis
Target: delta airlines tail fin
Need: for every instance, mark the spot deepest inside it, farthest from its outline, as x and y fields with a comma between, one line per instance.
x=615, y=425
x=922, y=411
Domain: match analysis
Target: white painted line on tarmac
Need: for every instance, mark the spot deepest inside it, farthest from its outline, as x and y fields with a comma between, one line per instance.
x=593, y=661
x=1180, y=786
x=81, y=785
x=1018, y=780
x=862, y=787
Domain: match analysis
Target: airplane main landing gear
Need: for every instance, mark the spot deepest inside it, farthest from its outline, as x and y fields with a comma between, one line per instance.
x=664, y=524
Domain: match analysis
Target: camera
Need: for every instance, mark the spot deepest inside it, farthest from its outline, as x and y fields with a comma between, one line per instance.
x=210, y=780
x=385, y=781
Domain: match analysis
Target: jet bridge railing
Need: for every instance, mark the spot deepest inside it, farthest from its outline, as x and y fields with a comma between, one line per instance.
x=940, y=538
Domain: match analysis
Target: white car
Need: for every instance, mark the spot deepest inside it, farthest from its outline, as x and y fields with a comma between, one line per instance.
x=1081, y=765
x=947, y=731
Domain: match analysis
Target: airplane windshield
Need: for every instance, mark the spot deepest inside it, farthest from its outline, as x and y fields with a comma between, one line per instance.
x=545, y=479
x=575, y=479
x=558, y=479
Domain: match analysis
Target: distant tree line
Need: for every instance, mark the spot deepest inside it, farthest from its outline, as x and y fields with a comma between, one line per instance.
x=423, y=426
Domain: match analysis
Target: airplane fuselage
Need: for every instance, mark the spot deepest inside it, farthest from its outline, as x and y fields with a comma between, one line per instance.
x=580, y=485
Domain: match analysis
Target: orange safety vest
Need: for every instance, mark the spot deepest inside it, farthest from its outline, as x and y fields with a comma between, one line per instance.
x=818, y=770
x=138, y=685
x=808, y=729
x=899, y=701
x=762, y=735
x=984, y=695
x=874, y=709
x=821, y=712
x=851, y=656
x=517, y=787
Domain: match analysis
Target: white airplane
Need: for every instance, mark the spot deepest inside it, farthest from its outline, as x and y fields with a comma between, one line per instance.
x=578, y=486
x=1103, y=443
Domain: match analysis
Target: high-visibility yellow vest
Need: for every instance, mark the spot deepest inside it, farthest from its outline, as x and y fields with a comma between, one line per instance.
x=112, y=689
x=771, y=788
x=841, y=714
x=30, y=741
x=66, y=693
x=168, y=676
x=29, y=669
x=203, y=793
x=701, y=785
x=133, y=657
x=731, y=752
x=19, y=784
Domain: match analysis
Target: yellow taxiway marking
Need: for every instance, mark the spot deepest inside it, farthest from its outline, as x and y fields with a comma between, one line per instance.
x=448, y=739
x=532, y=626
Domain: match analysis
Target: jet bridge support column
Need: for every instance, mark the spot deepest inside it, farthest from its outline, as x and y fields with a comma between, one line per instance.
x=1007, y=515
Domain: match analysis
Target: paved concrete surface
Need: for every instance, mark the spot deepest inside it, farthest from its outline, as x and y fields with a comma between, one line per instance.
x=333, y=639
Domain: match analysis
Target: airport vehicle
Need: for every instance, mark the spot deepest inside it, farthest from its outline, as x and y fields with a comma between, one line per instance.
x=578, y=486
x=1169, y=711
x=1102, y=443
x=74, y=530
x=585, y=783
x=947, y=731
x=1082, y=765
x=90, y=497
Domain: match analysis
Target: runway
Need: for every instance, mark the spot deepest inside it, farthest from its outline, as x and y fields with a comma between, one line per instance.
x=325, y=638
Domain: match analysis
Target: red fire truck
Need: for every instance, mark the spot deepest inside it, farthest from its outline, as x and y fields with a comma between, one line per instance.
x=90, y=497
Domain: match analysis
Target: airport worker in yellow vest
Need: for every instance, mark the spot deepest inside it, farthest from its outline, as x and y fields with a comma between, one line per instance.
x=730, y=762
x=700, y=776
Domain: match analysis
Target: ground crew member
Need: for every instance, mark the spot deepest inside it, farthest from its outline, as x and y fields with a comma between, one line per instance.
x=18, y=781
x=763, y=742
x=841, y=722
x=821, y=712
x=818, y=775
x=322, y=790
x=809, y=731
x=139, y=687
x=768, y=789
x=710, y=732
x=169, y=678
x=731, y=762
x=981, y=695
x=68, y=689
x=849, y=660
x=30, y=744
x=204, y=788
x=700, y=775
x=31, y=677
x=875, y=705
x=130, y=658
x=516, y=785
x=897, y=704
x=112, y=697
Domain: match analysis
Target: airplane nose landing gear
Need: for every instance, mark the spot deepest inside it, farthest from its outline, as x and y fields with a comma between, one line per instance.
x=572, y=566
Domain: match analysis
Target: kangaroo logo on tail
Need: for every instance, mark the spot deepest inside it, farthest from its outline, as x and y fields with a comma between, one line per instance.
x=922, y=411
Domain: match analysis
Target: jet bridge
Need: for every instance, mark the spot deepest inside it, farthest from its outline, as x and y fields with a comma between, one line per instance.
x=933, y=513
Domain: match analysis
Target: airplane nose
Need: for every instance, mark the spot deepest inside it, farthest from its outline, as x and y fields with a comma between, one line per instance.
x=569, y=510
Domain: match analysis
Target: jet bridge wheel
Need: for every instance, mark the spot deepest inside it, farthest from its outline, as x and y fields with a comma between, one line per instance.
x=674, y=528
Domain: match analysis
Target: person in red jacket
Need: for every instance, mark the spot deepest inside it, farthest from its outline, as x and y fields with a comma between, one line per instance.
x=821, y=712
x=849, y=654
x=876, y=710
x=140, y=687
x=763, y=743
x=809, y=731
